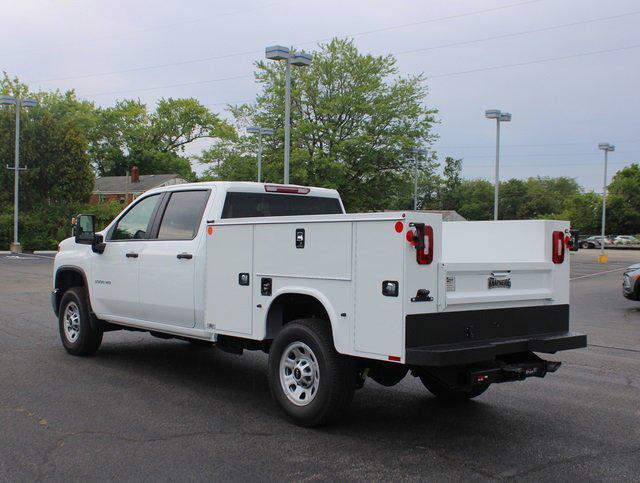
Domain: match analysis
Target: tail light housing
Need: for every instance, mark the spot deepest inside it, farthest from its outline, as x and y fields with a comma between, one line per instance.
x=421, y=237
x=557, y=247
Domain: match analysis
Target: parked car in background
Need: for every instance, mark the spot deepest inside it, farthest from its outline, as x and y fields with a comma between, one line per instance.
x=630, y=284
x=592, y=242
x=626, y=240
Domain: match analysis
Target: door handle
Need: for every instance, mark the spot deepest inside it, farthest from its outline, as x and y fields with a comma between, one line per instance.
x=132, y=255
x=186, y=256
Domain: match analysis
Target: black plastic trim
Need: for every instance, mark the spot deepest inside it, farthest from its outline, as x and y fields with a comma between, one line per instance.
x=452, y=338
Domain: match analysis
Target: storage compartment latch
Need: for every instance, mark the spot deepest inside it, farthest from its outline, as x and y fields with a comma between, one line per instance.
x=422, y=296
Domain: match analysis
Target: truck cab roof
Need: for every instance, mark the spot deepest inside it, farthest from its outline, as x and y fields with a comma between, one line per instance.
x=252, y=187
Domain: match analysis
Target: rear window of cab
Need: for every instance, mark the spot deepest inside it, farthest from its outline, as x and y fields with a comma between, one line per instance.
x=253, y=205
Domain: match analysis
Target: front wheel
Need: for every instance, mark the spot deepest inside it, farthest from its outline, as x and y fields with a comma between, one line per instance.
x=78, y=337
x=446, y=393
x=307, y=377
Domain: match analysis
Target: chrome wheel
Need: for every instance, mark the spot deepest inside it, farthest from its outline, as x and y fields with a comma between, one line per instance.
x=71, y=321
x=299, y=373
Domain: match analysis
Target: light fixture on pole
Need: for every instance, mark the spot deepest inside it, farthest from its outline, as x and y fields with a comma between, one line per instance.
x=260, y=131
x=19, y=103
x=300, y=59
x=416, y=156
x=606, y=147
x=499, y=116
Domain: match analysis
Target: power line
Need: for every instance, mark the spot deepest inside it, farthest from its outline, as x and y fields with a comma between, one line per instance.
x=151, y=29
x=546, y=155
x=531, y=62
x=220, y=79
x=253, y=52
x=493, y=146
x=435, y=76
x=515, y=34
x=545, y=165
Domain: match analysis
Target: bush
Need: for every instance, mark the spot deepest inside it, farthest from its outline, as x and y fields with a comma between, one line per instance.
x=44, y=227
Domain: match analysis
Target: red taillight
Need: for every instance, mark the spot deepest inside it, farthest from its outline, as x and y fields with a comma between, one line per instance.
x=295, y=190
x=424, y=247
x=557, y=247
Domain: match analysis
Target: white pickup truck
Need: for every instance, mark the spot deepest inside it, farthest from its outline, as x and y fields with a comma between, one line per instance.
x=333, y=298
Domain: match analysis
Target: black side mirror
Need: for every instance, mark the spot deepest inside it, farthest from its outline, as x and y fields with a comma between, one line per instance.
x=575, y=235
x=84, y=230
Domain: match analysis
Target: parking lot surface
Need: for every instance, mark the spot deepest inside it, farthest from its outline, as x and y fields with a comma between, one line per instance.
x=151, y=409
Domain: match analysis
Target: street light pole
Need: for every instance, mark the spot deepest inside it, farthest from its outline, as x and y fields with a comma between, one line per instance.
x=278, y=52
x=416, y=154
x=606, y=147
x=287, y=119
x=16, y=181
x=260, y=131
x=18, y=103
x=499, y=116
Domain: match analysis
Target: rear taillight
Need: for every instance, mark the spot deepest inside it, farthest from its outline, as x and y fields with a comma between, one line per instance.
x=557, y=247
x=421, y=237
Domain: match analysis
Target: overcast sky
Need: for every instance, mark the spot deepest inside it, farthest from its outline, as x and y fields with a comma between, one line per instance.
x=561, y=108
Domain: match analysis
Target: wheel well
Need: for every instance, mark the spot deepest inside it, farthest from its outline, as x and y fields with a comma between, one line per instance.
x=293, y=306
x=65, y=279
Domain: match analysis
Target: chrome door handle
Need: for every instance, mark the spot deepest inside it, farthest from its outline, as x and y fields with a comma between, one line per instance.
x=132, y=255
x=186, y=256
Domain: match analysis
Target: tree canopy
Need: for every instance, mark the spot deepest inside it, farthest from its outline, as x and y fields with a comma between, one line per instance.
x=354, y=121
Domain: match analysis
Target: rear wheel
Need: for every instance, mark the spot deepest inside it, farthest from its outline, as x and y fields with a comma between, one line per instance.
x=307, y=377
x=446, y=393
x=78, y=337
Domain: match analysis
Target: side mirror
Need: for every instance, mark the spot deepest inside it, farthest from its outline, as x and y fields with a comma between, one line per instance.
x=84, y=230
x=575, y=235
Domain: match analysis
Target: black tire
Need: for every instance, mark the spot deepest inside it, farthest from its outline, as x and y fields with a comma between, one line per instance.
x=336, y=373
x=86, y=340
x=584, y=245
x=446, y=393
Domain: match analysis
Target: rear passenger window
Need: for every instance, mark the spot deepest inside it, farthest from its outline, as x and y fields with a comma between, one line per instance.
x=182, y=216
x=246, y=205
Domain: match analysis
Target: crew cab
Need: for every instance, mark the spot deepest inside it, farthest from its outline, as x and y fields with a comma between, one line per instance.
x=335, y=299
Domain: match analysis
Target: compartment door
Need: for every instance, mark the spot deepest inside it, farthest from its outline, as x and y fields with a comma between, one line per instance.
x=228, y=300
x=379, y=327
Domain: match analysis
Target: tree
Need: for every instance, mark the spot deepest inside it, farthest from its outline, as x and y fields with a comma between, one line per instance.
x=623, y=201
x=52, y=146
x=451, y=182
x=584, y=211
x=128, y=134
x=476, y=199
x=354, y=122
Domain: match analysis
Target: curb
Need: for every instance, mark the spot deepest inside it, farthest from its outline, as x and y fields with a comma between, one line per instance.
x=45, y=252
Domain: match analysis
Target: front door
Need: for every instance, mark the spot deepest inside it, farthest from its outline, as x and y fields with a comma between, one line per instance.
x=167, y=269
x=115, y=272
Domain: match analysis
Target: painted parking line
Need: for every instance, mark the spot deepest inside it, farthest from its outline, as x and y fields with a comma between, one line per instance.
x=598, y=273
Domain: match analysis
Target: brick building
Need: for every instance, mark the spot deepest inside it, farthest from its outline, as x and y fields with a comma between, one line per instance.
x=127, y=188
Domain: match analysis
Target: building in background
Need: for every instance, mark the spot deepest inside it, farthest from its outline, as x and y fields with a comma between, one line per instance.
x=447, y=215
x=125, y=189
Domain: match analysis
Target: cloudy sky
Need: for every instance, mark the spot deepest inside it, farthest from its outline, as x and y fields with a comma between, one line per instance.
x=568, y=70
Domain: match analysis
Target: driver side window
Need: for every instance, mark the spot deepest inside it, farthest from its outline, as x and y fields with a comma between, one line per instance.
x=136, y=222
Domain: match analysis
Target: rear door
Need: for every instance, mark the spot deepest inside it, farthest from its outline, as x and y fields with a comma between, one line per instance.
x=167, y=266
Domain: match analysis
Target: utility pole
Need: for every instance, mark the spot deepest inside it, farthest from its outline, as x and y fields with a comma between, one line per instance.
x=260, y=131
x=416, y=158
x=18, y=103
x=606, y=147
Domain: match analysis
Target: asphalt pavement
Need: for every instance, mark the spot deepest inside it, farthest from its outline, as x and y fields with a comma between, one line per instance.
x=151, y=409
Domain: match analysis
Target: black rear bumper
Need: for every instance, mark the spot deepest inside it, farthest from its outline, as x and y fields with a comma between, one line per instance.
x=465, y=337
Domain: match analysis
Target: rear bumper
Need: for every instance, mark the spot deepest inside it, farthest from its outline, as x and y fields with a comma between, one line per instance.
x=465, y=337
x=470, y=352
